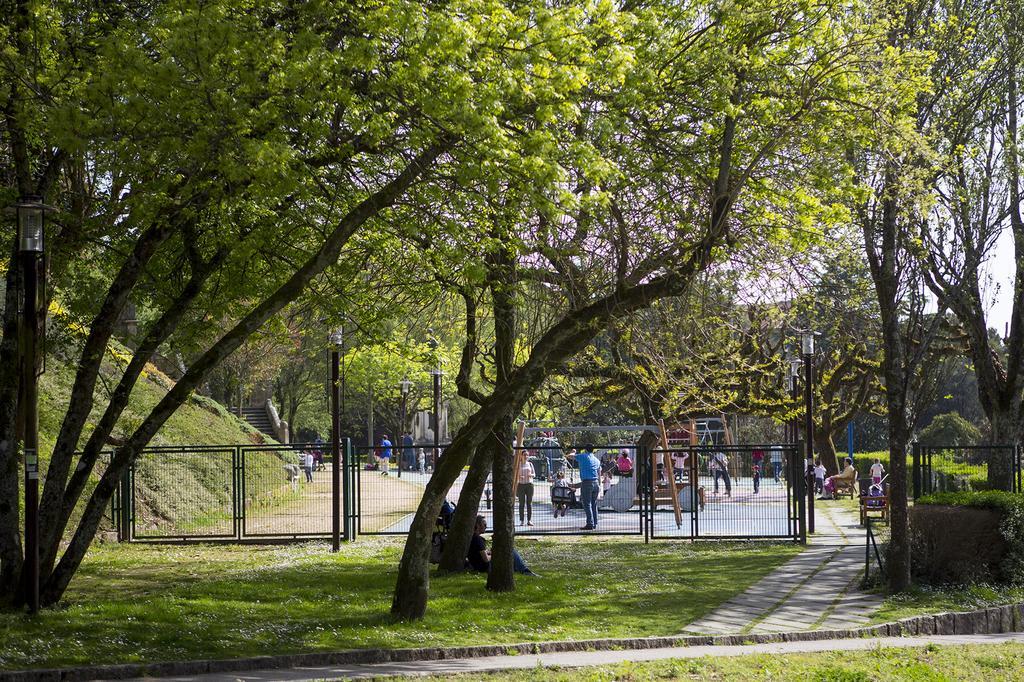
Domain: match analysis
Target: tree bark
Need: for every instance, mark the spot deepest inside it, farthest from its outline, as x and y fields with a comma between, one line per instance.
x=453, y=558
x=10, y=508
x=501, y=577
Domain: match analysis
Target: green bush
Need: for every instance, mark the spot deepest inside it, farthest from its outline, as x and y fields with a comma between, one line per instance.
x=949, y=429
x=1010, y=507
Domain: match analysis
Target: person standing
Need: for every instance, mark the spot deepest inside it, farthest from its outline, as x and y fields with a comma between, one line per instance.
x=307, y=465
x=408, y=461
x=385, y=454
x=776, y=455
x=590, y=471
x=720, y=469
x=524, y=490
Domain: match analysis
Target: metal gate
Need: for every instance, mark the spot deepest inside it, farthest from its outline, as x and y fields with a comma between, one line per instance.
x=724, y=492
x=211, y=493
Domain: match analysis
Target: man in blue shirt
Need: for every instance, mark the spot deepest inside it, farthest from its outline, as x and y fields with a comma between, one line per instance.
x=590, y=472
x=385, y=454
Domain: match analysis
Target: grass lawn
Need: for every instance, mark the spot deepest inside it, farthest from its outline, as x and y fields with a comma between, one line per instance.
x=932, y=663
x=156, y=603
x=925, y=599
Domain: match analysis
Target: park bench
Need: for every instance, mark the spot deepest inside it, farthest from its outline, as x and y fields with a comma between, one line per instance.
x=846, y=488
x=874, y=504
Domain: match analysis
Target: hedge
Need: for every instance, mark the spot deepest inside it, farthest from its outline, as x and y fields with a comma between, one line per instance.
x=1010, y=507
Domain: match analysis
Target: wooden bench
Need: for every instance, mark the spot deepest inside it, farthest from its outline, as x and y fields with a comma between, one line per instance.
x=874, y=504
x=847, y=488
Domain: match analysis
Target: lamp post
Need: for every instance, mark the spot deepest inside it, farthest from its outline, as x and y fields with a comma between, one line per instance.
x=799, y=481
x=31, y=214
x=337, y=339
x=436, y=374
x=404, y=385
x=807, y=350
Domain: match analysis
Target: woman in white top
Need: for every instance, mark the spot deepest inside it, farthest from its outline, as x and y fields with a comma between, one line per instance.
x=524, y=491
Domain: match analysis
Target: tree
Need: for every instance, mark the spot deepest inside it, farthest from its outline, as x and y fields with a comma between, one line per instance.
x=696, y=135
x=976, y=191
x=233, y=152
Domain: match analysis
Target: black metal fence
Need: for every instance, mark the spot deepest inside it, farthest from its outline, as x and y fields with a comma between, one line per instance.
x=958, y=468
x=233, y=493
x=726, y=492
x=265, y=493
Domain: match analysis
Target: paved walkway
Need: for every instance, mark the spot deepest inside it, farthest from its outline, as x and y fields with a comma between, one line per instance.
x=588, y=658
x=816, y=590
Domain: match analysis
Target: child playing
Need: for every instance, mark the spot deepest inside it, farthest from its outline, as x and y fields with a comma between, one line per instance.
x=606, y=482
x=757, y=476
x=562, y=505
x=819, y=477
x=877, y=471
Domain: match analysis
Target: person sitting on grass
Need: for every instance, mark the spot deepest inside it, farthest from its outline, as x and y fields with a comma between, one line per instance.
x=479, y=559
x=847, y=476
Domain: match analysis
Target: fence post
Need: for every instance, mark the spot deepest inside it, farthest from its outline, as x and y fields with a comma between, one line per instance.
x=125, y=532
x=916, y=471
x=867, y=548
x=349, y=465
x=645, y=489
x=796, y=471
x=238, y=473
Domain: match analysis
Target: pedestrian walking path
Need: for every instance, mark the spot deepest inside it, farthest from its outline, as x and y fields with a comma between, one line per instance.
x=819, y=589
x=574, y=659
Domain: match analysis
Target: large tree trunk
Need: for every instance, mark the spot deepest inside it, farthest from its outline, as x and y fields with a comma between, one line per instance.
x=502, y=577
x=10, y=508
x=826, y=446
x=899, y=517
x=1005, y=431
x=453, y=558
x=413, y=584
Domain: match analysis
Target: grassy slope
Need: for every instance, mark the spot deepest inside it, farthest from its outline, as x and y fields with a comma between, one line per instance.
x=170, y=485
x=147, y=603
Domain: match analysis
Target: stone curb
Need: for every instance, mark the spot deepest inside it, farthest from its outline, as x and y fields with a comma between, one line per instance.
x=995, y=620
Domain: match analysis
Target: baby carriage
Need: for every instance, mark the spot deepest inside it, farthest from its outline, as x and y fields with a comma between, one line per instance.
x=440, y=535
x=562, y=498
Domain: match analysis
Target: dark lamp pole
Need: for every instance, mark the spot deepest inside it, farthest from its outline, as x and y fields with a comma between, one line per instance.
x=337, y=339
x=31, y=214
x=436, y=374
x=404, y=385
x=799, y=481
x=807, y=348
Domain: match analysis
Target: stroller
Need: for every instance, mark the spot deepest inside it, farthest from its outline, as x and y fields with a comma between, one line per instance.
x=440, y=534
x=562, y=499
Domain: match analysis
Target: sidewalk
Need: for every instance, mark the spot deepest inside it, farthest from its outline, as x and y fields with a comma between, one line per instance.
x=816, y=590
x=587, y=658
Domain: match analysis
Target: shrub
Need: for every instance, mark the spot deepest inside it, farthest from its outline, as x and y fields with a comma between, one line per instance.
x=1010, y=508
x=950, y=429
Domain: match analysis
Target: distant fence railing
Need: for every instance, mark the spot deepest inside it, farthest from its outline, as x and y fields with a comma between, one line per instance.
x=268, y=493
x=963, y=468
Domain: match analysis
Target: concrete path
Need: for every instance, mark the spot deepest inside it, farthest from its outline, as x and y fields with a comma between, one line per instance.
x=816, y=590
x=588, y=658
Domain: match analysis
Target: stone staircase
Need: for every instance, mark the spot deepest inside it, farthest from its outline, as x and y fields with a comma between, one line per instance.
x=258, y=419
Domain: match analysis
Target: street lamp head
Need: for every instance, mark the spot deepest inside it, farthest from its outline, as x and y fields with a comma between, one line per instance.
x=405, y=385
x=31, y=213
x=807, y=343
x=338, y=336
x=794, y=368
